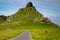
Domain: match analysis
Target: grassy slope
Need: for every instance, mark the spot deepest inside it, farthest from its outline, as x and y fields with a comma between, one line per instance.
x=7, y=34
x=41, y=34
x=38, y=31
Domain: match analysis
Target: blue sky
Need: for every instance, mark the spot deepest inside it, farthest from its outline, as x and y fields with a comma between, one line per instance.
x=49, y=8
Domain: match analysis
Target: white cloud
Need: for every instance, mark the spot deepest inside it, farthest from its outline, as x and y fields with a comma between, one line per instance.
x=51, y=15
x=7, y=13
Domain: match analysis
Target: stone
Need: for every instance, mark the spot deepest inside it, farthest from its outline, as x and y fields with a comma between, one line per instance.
x=29, y=4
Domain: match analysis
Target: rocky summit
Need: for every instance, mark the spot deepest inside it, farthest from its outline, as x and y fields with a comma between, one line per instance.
x=29, y=4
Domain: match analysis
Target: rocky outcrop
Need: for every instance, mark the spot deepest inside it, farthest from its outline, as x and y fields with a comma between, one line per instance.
x=29, y=4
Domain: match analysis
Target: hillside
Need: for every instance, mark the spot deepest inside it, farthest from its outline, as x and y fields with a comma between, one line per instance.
x=26, y=15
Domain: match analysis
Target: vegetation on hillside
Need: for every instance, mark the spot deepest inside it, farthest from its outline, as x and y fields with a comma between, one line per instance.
x=2, y=18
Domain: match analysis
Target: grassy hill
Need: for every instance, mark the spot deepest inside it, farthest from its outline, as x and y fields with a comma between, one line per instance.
x=25, y=16
x=28, y=18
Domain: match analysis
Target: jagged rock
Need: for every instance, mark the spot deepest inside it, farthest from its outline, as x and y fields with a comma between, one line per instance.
x=29, y=4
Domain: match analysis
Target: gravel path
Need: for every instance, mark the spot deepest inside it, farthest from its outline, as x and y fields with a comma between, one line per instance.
x=24, y=36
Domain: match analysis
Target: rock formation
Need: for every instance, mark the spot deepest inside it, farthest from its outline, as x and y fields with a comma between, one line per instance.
x=29, y=4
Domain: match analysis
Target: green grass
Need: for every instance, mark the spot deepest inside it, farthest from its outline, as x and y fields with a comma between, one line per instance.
x=7, y=34
x=38, y=31
x=41, y=34
x=52, y=33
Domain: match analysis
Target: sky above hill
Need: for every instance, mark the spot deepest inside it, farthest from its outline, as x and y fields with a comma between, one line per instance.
x=49, y=8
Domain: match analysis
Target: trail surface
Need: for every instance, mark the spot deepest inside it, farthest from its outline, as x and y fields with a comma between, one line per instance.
x=24, y=36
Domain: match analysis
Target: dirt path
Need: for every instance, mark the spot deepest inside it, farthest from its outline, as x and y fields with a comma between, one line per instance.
x=24, y=36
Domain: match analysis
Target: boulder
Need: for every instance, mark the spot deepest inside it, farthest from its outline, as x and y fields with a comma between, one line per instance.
x=29, y=4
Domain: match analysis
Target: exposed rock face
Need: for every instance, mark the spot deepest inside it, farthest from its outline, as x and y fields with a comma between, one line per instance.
x=29, y=4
